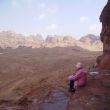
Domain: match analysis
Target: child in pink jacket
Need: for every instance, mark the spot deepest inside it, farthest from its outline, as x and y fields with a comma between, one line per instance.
x=79, y=79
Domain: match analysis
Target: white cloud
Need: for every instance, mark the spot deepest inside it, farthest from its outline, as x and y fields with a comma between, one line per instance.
x=51, y=26
x=95, y=28
x=84, y=18
x=42, y=16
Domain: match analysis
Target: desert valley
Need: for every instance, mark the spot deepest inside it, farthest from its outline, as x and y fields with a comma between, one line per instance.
x=31, y=72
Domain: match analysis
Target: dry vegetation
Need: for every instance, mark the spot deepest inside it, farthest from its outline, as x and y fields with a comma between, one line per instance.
x=34, y=72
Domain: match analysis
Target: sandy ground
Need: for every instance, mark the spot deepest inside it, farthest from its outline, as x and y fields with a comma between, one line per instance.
x=35, y=72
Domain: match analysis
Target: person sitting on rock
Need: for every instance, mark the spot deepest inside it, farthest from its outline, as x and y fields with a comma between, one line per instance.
x=79, y=79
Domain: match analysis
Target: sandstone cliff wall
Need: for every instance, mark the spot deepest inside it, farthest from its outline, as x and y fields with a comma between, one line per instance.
x=104, y=60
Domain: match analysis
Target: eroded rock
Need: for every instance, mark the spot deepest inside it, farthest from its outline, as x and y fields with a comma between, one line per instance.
x=105, y=36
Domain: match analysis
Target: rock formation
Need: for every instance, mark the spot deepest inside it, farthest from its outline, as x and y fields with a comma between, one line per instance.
x=91, y=42
x=104, y=60
x=89, y=38
x=34, y=41
x=14, y=40
x=60, y=41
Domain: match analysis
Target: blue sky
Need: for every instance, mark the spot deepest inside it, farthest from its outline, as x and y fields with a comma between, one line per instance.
x=61, y=17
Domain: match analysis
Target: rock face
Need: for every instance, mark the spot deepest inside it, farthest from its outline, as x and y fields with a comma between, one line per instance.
x=105, y=37
x=91, y=42
x=60, y=41
x=14, y=40
x=10, y=39
x=34, y=41
x=89, y=38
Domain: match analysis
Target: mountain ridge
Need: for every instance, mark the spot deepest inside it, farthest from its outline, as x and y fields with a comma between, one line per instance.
x=14, y=40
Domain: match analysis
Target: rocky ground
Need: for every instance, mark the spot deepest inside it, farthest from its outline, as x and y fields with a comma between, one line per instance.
x=36, y=79
x=95, y=96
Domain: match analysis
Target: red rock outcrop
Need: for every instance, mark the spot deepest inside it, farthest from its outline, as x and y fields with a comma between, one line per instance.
x=105, y=37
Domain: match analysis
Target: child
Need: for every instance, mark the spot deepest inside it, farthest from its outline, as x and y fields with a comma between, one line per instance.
x=79, y=79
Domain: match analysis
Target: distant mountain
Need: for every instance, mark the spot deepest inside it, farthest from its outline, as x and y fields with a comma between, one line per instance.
x=11, y=39
x=91, y=42
x=14, y=40
x=34, y=41
x=59, y=41
x=90, y=38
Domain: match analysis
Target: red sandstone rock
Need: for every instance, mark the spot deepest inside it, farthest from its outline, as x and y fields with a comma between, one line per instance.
x=105, y=36
x=105, y=63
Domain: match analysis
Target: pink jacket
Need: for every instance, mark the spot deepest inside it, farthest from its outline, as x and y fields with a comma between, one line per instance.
x=80, y=77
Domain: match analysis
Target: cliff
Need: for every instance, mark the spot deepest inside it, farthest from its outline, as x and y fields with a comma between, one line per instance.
x=104, y=60
x=14, y=40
